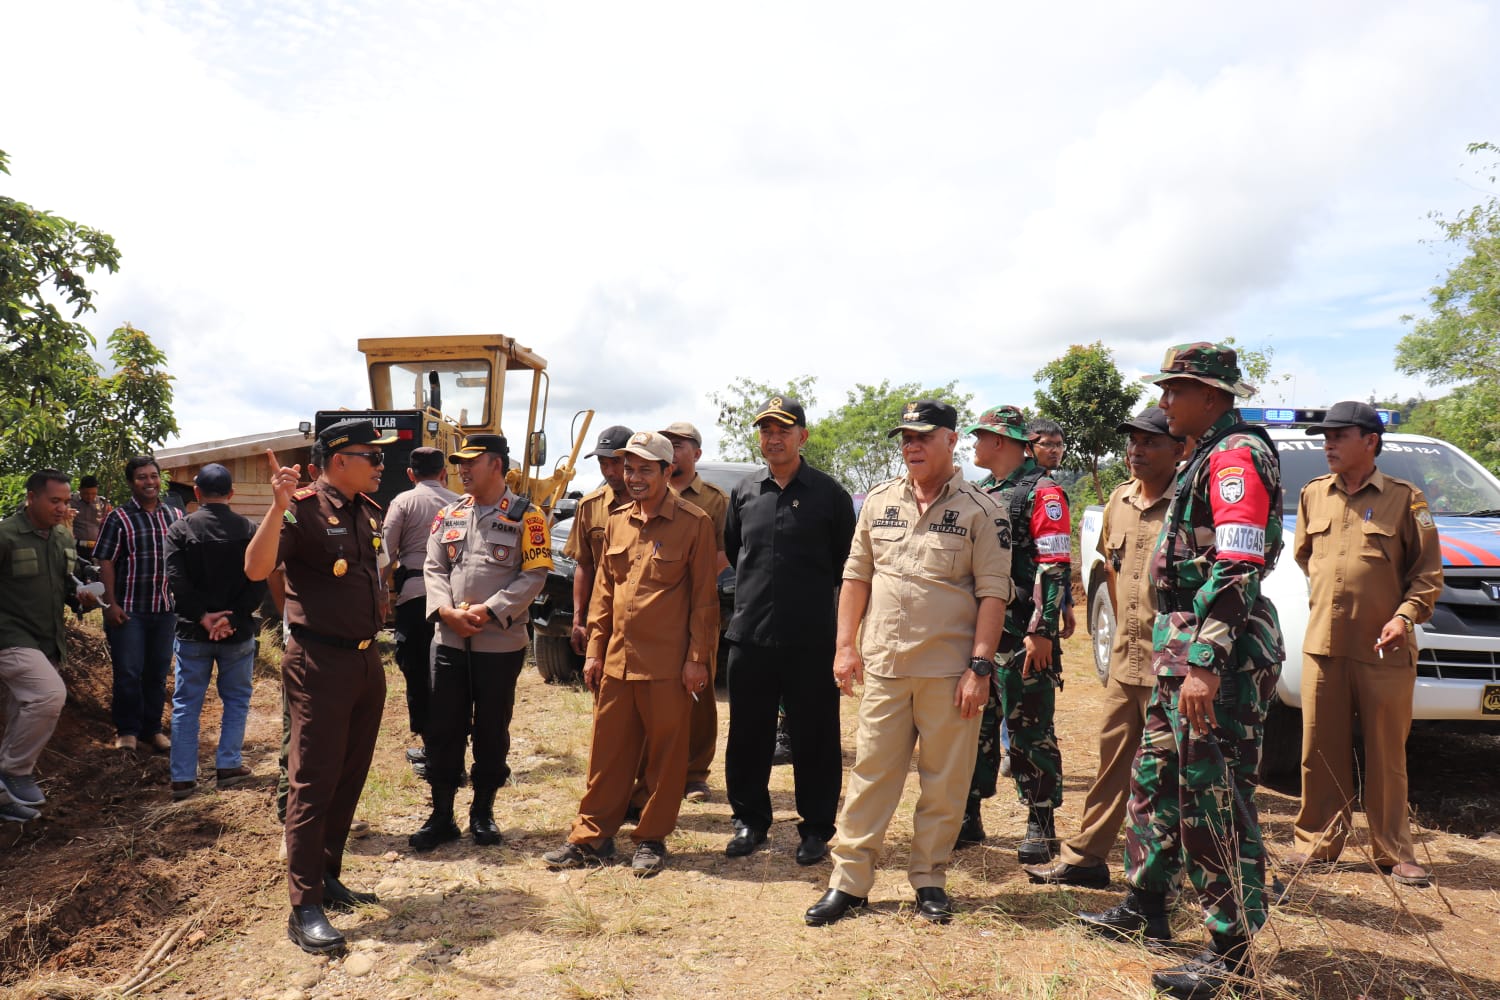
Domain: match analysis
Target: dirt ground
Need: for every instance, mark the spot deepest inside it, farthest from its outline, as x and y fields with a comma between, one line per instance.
x=117, y=890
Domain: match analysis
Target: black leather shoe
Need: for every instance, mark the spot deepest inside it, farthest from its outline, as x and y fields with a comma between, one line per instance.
x=833, y=905
x=812, y=850
x=1062, y=873
x=416, y=755
x=632, y=813
x=934, y=905
x=309, y=929
x=338, y=896
x=1204, y=975
x=972, y=832
x=1139, y=913
x=744, y=841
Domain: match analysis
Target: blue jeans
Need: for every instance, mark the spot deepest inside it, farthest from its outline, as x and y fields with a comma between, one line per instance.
x=142, y=652
x=195, y=663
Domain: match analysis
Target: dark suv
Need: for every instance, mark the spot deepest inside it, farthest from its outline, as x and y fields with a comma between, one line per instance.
x=552, y=611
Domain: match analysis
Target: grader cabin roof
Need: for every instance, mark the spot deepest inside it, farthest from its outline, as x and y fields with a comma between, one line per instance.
x=245, y=457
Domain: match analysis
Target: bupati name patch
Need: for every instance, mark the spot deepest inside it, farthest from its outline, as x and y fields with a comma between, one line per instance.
x=948, y=529
x=888, y=522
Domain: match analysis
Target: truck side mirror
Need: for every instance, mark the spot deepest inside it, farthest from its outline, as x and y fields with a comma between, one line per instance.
x=536, y=449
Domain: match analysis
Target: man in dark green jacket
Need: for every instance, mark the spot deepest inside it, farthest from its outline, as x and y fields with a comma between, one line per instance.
x=37, y=556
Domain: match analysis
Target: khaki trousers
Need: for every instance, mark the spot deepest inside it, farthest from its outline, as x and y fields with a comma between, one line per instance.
x=894, y=713
x=1333, y=691
x=637, y=725
x=36, y=699
x=1104, y=806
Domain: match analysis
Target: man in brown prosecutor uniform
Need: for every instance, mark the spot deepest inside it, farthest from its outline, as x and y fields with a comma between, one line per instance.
x=1368, y=545
x=327, y=536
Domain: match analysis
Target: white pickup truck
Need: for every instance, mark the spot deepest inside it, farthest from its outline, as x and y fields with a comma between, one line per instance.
x=1458, y=663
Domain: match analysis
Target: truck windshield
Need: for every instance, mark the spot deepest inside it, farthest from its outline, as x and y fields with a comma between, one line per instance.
x=464, y=385
x=1452, y=482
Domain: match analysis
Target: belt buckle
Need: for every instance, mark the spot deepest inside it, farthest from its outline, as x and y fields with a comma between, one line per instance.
x=364, y=644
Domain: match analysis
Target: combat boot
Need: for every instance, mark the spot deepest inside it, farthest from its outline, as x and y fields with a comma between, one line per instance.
x=1139, y=913
x=972, y=831
x=1224, y=963
x=1041, y=837
x=482, y=817
x=439, y=828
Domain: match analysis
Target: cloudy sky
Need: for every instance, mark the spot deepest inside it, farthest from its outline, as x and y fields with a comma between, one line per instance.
x=659, y=197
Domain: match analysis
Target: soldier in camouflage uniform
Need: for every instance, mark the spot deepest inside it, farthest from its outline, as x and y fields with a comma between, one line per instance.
x=1218, y=653
x=1024, y=686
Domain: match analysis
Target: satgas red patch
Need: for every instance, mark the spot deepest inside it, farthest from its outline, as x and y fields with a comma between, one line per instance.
x=1240, y=506
x=1051, y=527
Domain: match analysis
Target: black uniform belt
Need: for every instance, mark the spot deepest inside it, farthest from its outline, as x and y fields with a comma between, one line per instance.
x=1168, y=601
x=305, y=634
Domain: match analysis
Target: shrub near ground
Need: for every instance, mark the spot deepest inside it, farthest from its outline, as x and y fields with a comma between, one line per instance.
x=118, y=886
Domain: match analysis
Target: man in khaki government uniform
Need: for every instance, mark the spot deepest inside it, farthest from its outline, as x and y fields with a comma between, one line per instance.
x=585, y=544
x=652, y=625
x=929, y=577
x=687, y=448
x=1371, y=553
x=1133, y=520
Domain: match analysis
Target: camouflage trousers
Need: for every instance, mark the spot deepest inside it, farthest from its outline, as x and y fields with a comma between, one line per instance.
x=1182, y=806
x=1027, y=705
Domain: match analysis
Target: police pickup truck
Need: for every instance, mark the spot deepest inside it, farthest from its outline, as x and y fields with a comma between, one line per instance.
x=1458, y=661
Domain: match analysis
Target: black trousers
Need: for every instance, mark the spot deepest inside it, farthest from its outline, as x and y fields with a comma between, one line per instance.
x=472, y=694
x=760, y=679
x=414, y=657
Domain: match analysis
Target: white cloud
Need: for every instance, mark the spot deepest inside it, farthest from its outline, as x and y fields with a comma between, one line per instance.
x=659, y=197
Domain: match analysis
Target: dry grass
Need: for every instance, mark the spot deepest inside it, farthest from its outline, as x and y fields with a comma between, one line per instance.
x=465, y=921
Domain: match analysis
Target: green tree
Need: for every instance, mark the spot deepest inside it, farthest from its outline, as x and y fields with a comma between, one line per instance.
x=1088, y=396
x=738, y=404
x=851, y=443
x=1458, y=342
x=58, y=407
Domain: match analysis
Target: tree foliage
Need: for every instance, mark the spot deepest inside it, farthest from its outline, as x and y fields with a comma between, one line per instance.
x=738, y=404
x=1089, y=397
x=1458, y=341
x=850, y=444
x=58, y=407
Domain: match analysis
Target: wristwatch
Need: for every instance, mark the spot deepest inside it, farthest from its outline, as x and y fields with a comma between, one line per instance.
x=982, y=666
x=1410, y=625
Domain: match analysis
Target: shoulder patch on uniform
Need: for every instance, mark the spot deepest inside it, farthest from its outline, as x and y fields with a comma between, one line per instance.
x=305, y=492
x=536, y=547
x=371, y=501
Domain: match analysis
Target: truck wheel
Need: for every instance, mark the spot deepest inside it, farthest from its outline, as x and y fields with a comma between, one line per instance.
x=1281, y=746
x=556, y=661
x=1101, y=629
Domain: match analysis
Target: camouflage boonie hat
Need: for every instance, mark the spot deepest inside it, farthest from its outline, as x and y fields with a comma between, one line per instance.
x=1006, y=420
x=1213, y=364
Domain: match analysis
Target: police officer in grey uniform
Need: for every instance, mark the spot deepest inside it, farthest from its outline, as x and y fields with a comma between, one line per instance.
x=487, y=557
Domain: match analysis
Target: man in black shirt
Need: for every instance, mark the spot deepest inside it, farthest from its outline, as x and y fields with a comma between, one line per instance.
x=787, y=534
x=206, y=570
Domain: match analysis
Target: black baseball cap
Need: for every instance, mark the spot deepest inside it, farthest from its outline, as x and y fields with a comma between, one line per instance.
x=611, y=440
x=347, y=432
x=784, y=410
x=923, y=415
x=1151, y=420
x=1350, y=413
x=479, y=444
x=214, y=480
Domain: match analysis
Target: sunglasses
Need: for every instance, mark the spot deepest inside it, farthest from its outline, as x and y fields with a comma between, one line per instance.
x=375, y=458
